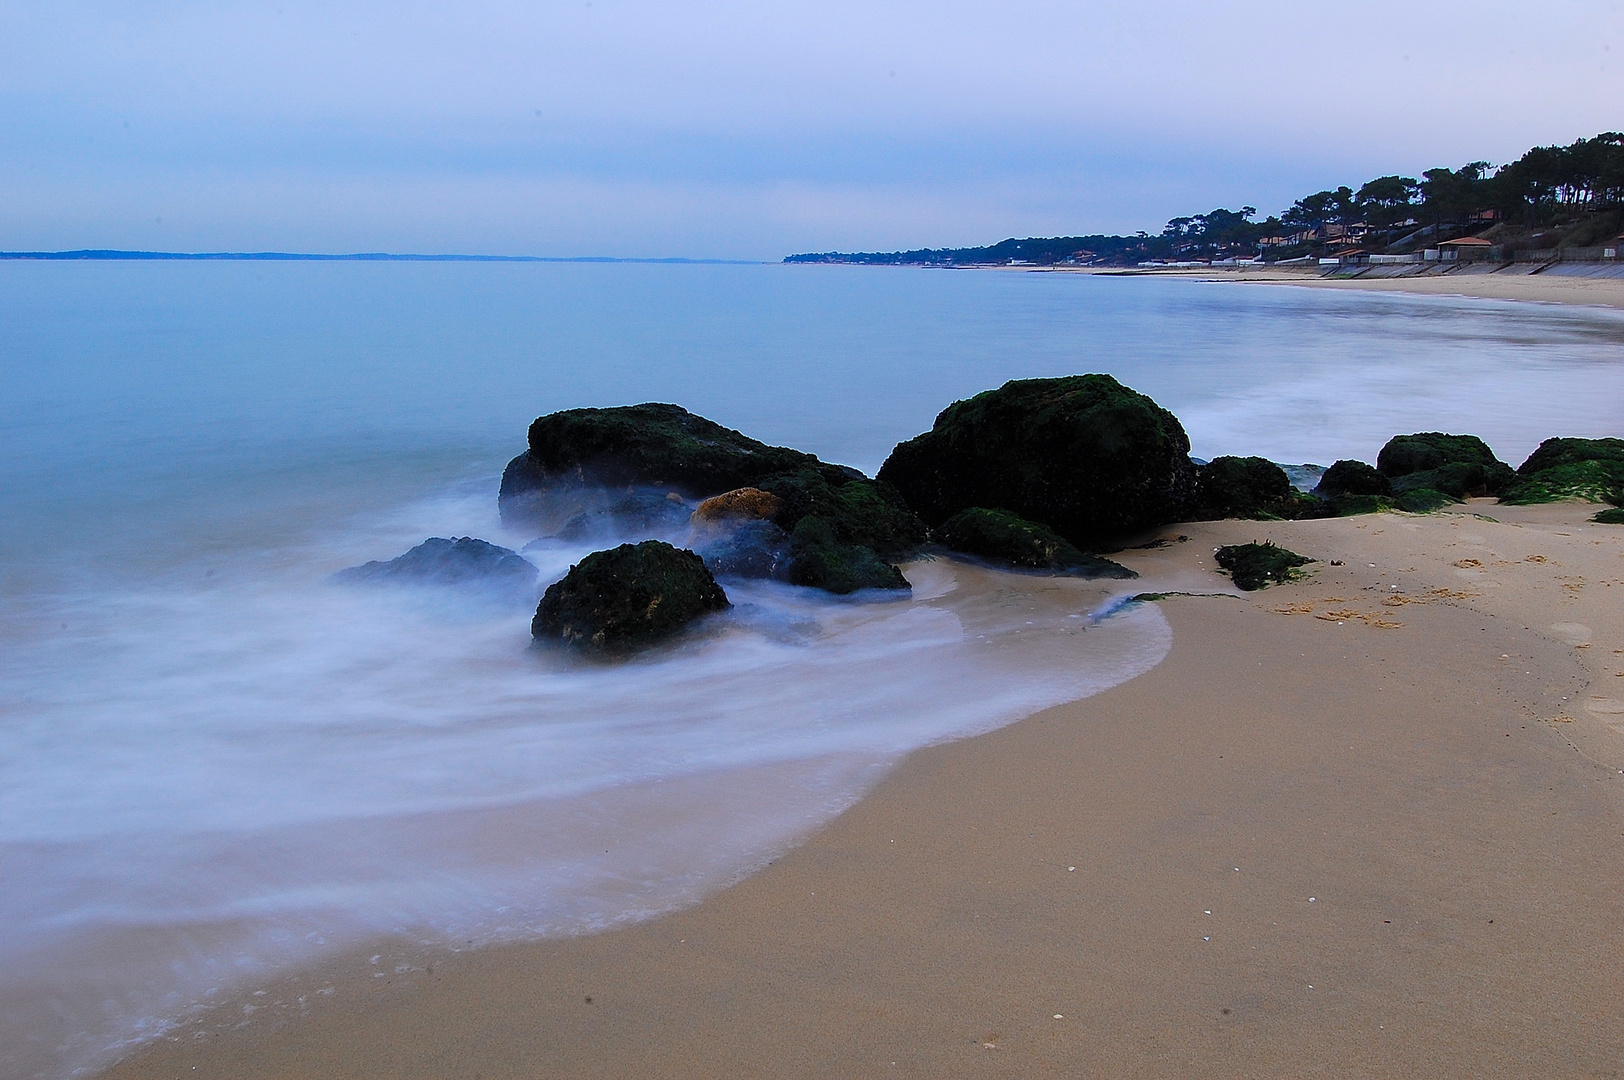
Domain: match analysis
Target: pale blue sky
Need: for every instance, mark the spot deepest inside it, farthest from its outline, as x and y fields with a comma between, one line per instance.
x=750, y=130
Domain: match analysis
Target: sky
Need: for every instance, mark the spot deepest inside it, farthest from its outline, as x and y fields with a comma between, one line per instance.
x=751, y=130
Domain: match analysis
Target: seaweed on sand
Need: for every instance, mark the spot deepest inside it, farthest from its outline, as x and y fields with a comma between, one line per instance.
x=1254, y=566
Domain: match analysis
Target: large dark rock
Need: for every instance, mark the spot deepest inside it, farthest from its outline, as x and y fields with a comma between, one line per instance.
x=461, y=561
x=1349, y=477
x=1084, y=455
x=628, y=597
x=1003, y=537
x=651, y=445
x=1590, y=469
x=1459, y=465
x=1250, y=487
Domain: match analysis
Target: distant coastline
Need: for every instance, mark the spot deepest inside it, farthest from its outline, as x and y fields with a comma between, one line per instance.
x=111, y=255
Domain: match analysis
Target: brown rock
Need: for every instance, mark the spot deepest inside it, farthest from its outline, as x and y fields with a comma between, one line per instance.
x=740, y=504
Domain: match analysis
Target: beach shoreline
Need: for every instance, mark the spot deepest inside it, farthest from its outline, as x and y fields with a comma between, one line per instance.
x=1365, y=823
x=1541, y=288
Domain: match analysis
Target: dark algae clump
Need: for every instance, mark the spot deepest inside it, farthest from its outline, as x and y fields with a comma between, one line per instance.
x=1084, y=455
x=1000, y=536
x=1612, y=516
x=628, y=597
x=1254, y=566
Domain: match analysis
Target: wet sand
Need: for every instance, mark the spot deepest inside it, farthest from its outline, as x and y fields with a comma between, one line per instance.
x=1342, y=830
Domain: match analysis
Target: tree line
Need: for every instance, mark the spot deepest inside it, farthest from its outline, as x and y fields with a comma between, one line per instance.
x=1548, y=185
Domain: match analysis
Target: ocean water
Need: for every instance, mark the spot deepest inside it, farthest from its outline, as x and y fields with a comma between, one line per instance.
x=214, y=763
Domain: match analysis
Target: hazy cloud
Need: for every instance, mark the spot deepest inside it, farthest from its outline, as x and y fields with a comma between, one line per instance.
x=749, y=130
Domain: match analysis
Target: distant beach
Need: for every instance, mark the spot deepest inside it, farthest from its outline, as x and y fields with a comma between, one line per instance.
x=1545, y=288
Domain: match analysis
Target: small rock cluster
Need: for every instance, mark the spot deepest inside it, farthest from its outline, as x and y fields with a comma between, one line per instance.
x=1041, y=475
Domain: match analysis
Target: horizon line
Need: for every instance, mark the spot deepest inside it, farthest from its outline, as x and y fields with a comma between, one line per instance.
x=118, y=255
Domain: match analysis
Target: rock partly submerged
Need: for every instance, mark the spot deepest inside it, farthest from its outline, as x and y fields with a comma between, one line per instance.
x=645, y=514
x=639, y=446
x=1083, y=455
x=820, y=559
x=756, y=497
x=626, y=598
x=460, y=561
x=1005, y=538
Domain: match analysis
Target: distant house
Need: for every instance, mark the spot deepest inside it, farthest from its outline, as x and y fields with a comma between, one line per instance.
x=1466, y=249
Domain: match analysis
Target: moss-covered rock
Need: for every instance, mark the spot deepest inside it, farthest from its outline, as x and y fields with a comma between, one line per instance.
x=1348, y=477
x=818, y=559
x=1242, y=487
x=864, y=512
x=1003, y=537
x=1084, y=455
x=1254, y=566
x=628, y=597
x=1591, y=469
x=1459, y=465
x=650, y=445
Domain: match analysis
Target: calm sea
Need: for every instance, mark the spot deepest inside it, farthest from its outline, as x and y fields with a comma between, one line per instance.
x=215, y=764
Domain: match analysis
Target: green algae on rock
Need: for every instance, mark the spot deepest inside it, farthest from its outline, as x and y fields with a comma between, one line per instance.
x=818, y=558
x=1001, y=536
x=626, y=598
x=1462, y=466
x=1590, y=469
x=860, y=511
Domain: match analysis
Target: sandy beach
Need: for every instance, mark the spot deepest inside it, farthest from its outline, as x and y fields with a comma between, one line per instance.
x=1545, y=288
x=1363, y=824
